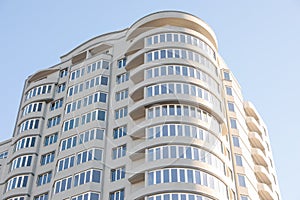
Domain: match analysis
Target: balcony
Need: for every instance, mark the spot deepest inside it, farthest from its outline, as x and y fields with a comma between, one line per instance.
x=262, y=174
x=250, y=110
x=265, y=192
x=253, y=125
x=137, y=111
x=137, y=177
x=256, y=140
x=259, y=157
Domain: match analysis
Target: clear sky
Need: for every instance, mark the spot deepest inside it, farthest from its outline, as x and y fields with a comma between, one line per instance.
x=259, y=41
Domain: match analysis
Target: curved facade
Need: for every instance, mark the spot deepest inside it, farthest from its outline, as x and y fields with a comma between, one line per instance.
x=147, y=113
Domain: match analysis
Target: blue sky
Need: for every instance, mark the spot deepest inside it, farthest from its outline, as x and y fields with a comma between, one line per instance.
x=259, y=41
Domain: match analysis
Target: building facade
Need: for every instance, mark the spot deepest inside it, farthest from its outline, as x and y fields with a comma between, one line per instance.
x=149, y=112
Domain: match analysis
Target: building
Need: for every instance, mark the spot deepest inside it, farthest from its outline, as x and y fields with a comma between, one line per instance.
x=148, y=112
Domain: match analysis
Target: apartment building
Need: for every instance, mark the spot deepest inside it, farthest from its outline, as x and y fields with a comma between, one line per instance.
x=150, y=112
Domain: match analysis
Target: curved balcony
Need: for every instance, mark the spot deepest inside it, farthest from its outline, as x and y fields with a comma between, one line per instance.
x=42, y=75
x=136, y=65
x=42, y=97
x=167, y=45
x=139, y=151
x=251, y=110
x=31, y=115
x=138, y=109
x=253, y=125
x=137, y=92
x=171, y=18
x=256, y=140
x=175, y=187
x=259, y=157
x=265, y=192
x=138, y=42
x=262, y=174
x=22, y=170
x=18, y=191
x=29, y=132
x=139, y=130
x=137, y=174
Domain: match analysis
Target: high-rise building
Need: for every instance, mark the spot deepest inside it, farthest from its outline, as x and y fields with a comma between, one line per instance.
x=150, y=112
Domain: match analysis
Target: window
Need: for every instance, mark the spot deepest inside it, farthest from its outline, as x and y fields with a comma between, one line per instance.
x=44, y=178
x=185, y=152
x=63, y=73
x=105, y=64
x=25, y=142
x=182, y=38
x=233, y=123
x=68, y=143
x=62, y=185
x=238, y=160
x=122, y=95
x=230, y=106
x=85, y=177
x=102, y=64
x=93, y=134
x=22, y=161
x=245, y=197
x=229, y=91
x=88, y=155
x=51, y=139
x=76, y=74
x=179, y=88
x=119, y=152
x=87, y=196
x=242, y=180
x=122, y=78
x=47, y=158
x=117, y=174
x=60, y=88
x=117, y=195
x=17, y=198
x=3, y=154
x=65, y=163
x=122, y=63
x=119, y=132
x=98, y=80
x=53, y=121
x=88, y=100
x=56, y=104
x=185, y=110
x=120, y=113
x=33, y=107
x=236, y=141
x=44, y=89
x=186, y=175
x=181, y=54
x=182, y=71
x=17, y=182
x=41, y=197
x=70, y=124
x=168, y=130
x=226, y=76
x=29, y=124
x=92, y=116
x=177, y=196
